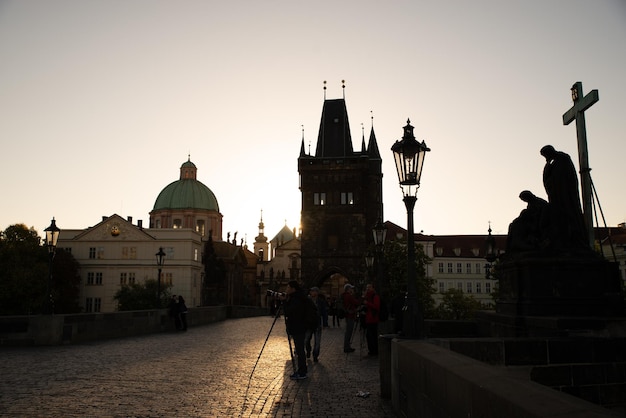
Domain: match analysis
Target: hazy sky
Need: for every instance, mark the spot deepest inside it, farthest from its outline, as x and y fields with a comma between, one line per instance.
x=102, y=101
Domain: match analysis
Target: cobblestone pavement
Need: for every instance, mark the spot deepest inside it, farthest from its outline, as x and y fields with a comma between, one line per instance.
x=204, y=372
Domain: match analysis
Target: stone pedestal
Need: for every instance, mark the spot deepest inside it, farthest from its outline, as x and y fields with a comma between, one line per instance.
x=559, y=286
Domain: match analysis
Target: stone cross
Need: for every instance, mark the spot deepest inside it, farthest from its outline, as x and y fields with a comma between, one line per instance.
x=577, y=112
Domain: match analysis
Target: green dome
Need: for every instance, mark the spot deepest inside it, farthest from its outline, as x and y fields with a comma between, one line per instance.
x=186, y=194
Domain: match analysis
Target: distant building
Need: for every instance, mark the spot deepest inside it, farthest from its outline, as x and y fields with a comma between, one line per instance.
x=186, y=222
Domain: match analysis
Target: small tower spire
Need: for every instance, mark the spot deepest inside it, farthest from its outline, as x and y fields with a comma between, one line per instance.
x=363, y=149
x=343, y=87
x=324, y=89
x=302, y=143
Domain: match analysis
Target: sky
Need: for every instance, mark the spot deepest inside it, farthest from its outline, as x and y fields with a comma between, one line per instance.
x=101, y=102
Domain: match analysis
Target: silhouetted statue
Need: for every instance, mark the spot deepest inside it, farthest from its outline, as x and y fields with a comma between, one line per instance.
x=528, y=231
x=565, y=217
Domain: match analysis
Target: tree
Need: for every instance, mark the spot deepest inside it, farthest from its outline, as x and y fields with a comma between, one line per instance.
x=457, y=305
x=141, y=296
x=24, y=271
x=395, y=256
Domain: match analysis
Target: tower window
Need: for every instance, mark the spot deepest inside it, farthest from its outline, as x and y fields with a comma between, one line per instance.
x=319, y=199
x=347, y=198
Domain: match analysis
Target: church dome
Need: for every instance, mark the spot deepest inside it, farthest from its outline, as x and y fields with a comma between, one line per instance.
x=187, y=192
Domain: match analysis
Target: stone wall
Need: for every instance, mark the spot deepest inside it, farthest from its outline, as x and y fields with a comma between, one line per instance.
x=430, y=381
x=80, y=328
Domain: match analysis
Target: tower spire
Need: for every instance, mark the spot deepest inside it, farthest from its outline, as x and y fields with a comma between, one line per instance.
x=343, y=87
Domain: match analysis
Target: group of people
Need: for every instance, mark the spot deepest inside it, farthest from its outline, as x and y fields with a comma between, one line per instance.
x=178, y=312
x=307, y=339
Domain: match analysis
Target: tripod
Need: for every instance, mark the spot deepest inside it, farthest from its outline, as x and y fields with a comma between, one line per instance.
x=293, y=361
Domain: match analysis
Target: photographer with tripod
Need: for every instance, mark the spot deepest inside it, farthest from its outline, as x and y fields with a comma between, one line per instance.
x=294, y=306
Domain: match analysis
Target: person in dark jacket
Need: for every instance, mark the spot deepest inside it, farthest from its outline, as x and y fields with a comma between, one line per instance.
x=372, y=305
x=295, y=300
x=182, y=313
x=350, y=305
x=316, y=334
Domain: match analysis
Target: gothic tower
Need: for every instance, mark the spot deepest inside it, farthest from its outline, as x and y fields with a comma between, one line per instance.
x=341, y=199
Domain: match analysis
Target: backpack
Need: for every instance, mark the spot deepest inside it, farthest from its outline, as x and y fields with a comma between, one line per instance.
x=311, y=315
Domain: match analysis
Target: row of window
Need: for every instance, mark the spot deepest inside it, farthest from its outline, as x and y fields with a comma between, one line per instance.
x=470, y=268
x=467, y=287
x=130, y=253
x=95, y=278
x=343, y=198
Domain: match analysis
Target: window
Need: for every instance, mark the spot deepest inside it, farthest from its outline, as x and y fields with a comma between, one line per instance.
x=459, y=286
x=200, y=227
x=442, y=287
x=478, y=288
x=469, y=287
x=100, y=253
x=477, y=268
x=488, y=287
x=346, y=198
x=468, y=268
x=449, y=267
x=89, y=305
x=92, y=253
x=319, y=199
x=177, y=224
x=131, y=278
x=90, y=277
x=123, y=278
x=129, y=253
x=168, y=278
x=440, y=267
x=195, y=254
x=99, y=278
x=459, y=267
x=97, y=303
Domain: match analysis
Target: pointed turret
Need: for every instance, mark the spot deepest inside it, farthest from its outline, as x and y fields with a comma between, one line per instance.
x=372, y=147
x=334, y=139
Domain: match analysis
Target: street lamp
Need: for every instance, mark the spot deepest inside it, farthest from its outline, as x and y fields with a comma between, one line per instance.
x=369, y=263
x=409, y=158
x=159, y=257
x=52, y=236
x=490, y=253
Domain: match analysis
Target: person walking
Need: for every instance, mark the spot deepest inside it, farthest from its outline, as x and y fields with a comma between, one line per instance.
x=294, y=305
x=182, y=313
x=316, y=334
x=372, y=306
x=350, y=306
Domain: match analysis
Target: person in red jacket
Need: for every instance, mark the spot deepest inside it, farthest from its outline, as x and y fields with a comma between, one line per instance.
x=372, y=306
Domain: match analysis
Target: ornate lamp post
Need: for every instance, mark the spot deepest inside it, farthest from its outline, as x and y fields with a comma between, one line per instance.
x=409, y=157
x=490, y=253
x=159, y=257
x=52, y=236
